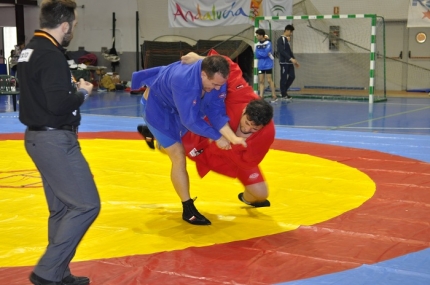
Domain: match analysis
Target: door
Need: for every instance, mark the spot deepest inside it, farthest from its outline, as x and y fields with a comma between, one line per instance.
x=418, y=77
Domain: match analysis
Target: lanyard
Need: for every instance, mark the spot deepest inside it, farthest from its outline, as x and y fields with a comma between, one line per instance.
x=55, y=43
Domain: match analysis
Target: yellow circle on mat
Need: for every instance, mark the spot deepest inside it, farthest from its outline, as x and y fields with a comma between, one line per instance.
x=141, y=213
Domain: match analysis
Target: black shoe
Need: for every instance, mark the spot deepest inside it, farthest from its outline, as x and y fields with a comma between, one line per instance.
x=191, y=215
x=286, y=97
x=75, y=280
x=36, y=280
x=265, y=203
x=147, y=135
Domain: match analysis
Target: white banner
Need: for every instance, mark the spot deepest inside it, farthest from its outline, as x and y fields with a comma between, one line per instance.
x=208, y=13
x=275, y=8
x=419, y=13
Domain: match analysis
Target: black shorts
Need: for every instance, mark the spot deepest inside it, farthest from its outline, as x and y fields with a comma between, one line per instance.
x=267, y=71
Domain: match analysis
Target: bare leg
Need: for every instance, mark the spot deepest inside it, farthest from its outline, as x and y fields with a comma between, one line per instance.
x=181, y=183
x=257, y=192
x=255, y=195
x=179, y=174
x=261, y=84
x=272, y=86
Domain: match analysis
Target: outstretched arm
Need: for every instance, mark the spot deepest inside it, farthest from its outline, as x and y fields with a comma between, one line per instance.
x=191, y=57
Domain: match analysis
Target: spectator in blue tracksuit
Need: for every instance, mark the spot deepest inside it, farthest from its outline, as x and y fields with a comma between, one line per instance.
x=264, y=54
x=174, y=106
x=287, y=61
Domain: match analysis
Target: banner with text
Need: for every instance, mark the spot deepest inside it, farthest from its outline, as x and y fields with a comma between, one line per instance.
x=419, y=13
x=210, y=13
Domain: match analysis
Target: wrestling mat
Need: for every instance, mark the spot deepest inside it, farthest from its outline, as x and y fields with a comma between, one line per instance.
x=333, y=208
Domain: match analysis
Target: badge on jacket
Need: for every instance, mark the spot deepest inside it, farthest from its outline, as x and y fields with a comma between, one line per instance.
x=25, y=55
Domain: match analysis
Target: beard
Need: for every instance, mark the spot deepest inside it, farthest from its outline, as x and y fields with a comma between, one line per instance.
x=67, y=37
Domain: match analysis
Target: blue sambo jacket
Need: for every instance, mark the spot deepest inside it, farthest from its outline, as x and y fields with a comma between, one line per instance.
x=262, y=50
x=175, y=102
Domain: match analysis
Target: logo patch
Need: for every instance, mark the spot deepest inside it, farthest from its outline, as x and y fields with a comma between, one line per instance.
x=253, y=176
x=239, y=86
x=25, y=55
x=222, y=95
x=194, y=152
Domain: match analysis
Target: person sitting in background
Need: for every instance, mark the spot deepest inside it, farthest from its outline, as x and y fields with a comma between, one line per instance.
x=14, y=56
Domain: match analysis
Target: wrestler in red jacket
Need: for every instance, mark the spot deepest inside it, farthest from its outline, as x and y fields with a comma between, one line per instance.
x=251, y=118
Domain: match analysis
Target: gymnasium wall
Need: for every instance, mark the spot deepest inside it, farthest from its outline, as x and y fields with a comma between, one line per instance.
x=94, y=29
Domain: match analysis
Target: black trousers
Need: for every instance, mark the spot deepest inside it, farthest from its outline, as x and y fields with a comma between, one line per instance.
x=71, y=194
x=287, y=77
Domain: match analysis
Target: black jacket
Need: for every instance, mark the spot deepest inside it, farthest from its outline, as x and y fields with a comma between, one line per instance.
x=48, y=95
x=284, y=50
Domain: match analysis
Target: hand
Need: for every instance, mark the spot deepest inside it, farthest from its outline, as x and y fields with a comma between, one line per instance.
x=85, y=85
x=239, y=140
x=227, y=133
x=190, y=58
x=295, y=62
x=223, y=143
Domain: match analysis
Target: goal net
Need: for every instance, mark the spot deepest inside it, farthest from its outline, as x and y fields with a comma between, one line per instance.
x=341, y=57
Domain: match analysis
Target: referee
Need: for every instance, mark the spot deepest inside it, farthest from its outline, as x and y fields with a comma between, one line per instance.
x=49, y=106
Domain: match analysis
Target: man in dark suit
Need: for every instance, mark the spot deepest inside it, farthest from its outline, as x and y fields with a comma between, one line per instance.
x=287, y=61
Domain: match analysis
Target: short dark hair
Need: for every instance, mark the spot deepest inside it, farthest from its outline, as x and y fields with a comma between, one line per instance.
x=260, y=32
x=289, y=27
x=55, y=12
x=215, y=63
x=259, y=111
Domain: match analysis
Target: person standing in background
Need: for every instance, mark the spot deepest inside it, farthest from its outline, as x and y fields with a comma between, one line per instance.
x=49, y=106
x=286, y=61
x=264, y=54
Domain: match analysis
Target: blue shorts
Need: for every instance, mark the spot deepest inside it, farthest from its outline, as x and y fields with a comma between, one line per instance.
x=162, y=139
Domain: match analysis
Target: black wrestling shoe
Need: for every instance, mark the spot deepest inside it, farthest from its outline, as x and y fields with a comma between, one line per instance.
x=265, y=203
x=75, y=280
x=36, y=280
x=191, y=215
x=147, y=135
